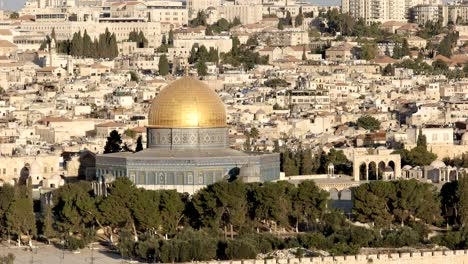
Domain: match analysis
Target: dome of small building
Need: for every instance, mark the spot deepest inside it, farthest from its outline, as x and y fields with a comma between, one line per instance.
x=407, y=167
x=187, y=103
x=388, y=169
x=35, y=168
x=464, y=139
x=438, y=164
x=260, y=112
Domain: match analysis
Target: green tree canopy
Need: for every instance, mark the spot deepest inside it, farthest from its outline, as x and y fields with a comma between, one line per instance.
x=368, y=122
x=139, y=145
x=299, y=18
x=139, y=38
x=202, y=69
x=369, y=51
x=163, y=65
x=113, y=143
x=14, y=15
x=399, y=202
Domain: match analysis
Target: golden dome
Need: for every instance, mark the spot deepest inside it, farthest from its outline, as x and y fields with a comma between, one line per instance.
x=187, y=103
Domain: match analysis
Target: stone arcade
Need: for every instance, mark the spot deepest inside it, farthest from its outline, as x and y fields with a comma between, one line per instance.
x=187, y=145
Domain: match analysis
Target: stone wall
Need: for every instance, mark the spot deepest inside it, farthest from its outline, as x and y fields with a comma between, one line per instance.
x=430, y=257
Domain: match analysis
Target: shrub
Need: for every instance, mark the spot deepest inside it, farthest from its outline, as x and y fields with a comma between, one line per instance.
x=344, y=249
x=264, y=243
x=147, y=249
x=240, y=249
x=452, y=239
x=402, y=237
x=73, y=243
x=314, y=241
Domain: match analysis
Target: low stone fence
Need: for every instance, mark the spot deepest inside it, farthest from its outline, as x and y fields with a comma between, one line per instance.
x=423, y=257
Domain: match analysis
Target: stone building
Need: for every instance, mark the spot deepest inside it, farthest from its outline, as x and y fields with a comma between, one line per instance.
x=187, y=145
x=18, y=169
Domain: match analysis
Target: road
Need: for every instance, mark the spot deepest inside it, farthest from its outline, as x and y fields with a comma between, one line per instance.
x=48, y=254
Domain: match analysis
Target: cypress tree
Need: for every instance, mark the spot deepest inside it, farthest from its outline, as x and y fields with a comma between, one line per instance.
x=114, y=49
x=247, y=143
x=77, y=45
x=139, y=146
x=171, y=37
x=96, y=50
x=405, y=50
x=213, y=55
x=236, y=22
x=113, y=143
x=163, y=66
x=299, y=18
x=202, y=69
x=143, y=41
x=52, y=35
x=101, y=46
x=133, y=36
x=397, y=51
x=87, y=45
x=202, y=53
x=288, y=19
x=193, y=55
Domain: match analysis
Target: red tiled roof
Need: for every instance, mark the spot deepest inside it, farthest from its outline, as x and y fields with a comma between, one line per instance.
x=384, y=60
x=111, y=124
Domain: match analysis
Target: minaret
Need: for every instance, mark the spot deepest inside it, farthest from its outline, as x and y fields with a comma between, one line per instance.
x=70, y=65
x=52, y=52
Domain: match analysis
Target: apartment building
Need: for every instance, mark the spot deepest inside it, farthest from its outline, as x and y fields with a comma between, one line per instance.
x=382, y=10
x=121, y=28
x=248, y=14
x=421, y=14
x=194, y=6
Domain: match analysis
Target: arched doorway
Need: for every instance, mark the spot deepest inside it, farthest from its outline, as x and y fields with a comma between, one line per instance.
x=381, y=169
x=373, y=173
x=24, y=174
x=363, y=172
x=392, y=175
x=346, y=195
x=334, y=194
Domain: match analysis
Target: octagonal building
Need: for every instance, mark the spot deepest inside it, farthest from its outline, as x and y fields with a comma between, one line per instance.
x=188, y=145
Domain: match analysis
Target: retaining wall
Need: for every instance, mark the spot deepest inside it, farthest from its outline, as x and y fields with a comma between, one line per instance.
x=428, y=257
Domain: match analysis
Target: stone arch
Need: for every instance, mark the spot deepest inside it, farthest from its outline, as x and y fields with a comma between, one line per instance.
x=377, y=159
x=346, y=195
x=373, y=172
x=381, y=168
x=334, y=194
x=392, y=165
x=452, y=175
x=363, y=172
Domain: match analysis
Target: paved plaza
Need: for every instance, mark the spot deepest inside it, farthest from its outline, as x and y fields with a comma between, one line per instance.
x=47, y=254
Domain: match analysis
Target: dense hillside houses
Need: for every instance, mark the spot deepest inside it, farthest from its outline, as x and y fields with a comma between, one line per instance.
x=267, y=128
